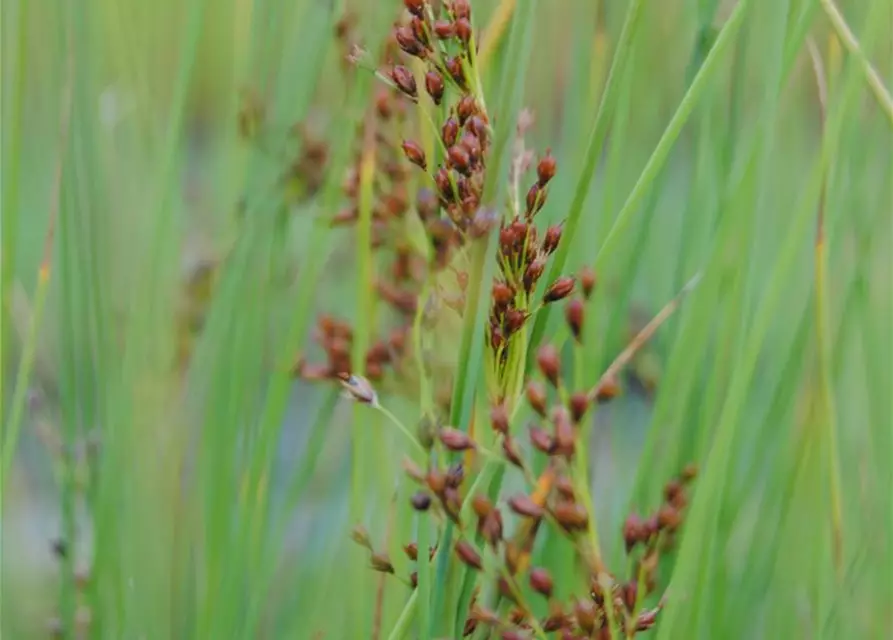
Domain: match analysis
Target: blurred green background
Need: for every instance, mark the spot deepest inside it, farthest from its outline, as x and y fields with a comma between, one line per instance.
x=208, y=495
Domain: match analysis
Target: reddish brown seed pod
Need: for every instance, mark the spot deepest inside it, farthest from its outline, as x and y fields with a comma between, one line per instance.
x=513, y=321
x=449, y=133
x=541, y=581
x=551, y=239
x=465, y=108
x=525, y=506
x=381, y=562
x=669, y=518
x=444, y=29
x=536, y=198
x=460, y=9
x=383, y=104
x=411, y=550
x=476, y=125
x=472, y=145
x=630, y=593
x=571, y=515
x=415, y=154
x=468, y=555
x=565, y=438
x=536, y=397
x=573, y=315
x=634, y=531
x=421, y=34
x=672, y=489
x=565, y=487
x=497, y=339
x=452, y=503
x=481, y=505
x=414, y=579
x=463, y=30
x=559, y=289
x=444, y=185
x=436, y=481
x=584, y=612
x=533, y=273
x=503, y=295
x=459, y=159
x=510, y=450
x=549, y=363
x=455, y=440
x=491, y=528
x=499, y=418
x=542, y=440
x=407, y=41
x=587, y=281
x=404, y=80
x=415, y=7
x=434, y=85
x=607, y=389
x=455, y=474
x=578, y=404
x=456, y=71
x=545, y=169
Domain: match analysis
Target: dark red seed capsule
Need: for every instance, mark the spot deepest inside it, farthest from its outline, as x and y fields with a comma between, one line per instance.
x=434, y=86
x=455, y=440
x=449, y=133
x=536, y=397
x=415, y=7
x=551, y=239
x=466, y=108
x=541, y=581
x=559, y=289
x=468, y=555
x=408, y=42
x=514, y=320
x=503, y=295
x=463, y=30
x=459, y=159
x=460, y=9
x=541, y=440
x=511, y=452
x=549, y=363
x=415, y=154
x=545, y=170
x=404, y=80
x=456, y=71
x=573, y=314
x=499, y=418
x=578, y=405
x=444, y=29
x=587, y=281
x=525, y=506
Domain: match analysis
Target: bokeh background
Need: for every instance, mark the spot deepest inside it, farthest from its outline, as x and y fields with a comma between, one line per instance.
x=207, y=494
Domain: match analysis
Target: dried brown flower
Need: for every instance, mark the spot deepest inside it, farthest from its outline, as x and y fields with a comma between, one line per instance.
x=545, y=170
x=415, y=154
x=468, y=555
x=404, y=80
x=559, y=289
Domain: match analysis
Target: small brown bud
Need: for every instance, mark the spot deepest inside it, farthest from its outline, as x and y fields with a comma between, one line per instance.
x=559, y=289
x=573, y=314
x=536, y=397
x=463, y=30
x=460, y=9
x=536, y=198
x=672, y=489
x=456, y=71
x=514, y=320
x=455, y=440
x=411, y=550
x=565, y=439
x=503, y=295
x=524, y=505
x=634, y=532
x=545, y=170
x=584, y=612
x=421, y=501
x=541, y=440
x=415, y=154
x=491, y=528
x=565, y=487
x=481, y=505
x=452, y=503
x=455, y=474
x=434, y=86
x=408, y=42
x=459, y=159
x=630, y=593
x=549, y=363
x=689, y=473
x=421, y=34
x=472, y=145
x=541, y=581
x=497, y=340
x=551, y=239
x=468, y=555
x=404, y=80
x=381, y=562
x=449, y=133
x=571, y=515
x=511, y=452
x=436, y=481
x=668, y=518
x=360, y=535
x=578, y=404
x=415, y=7
x=499, y=418
x=533, y=273
x=414, y=579
x=476, y=125
x=587, y=281
x=444, y=185
x=465, y=108
x=444, y=29
x=607, y=389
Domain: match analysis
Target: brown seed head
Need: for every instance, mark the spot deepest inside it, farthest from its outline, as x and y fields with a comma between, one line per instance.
x=491, y=528
x=533, y=273
x=551, y=239
x=465, y=108
x=668, y=517
x=421, y=34
x=415, y=7
x=536, y=198
x=455, y=440
x=565, y=438
x=463, y=30
x=421, y=501
x=381, y=562
x=436, y=481
x=503, y=295
x=630, y=593
x=444, y=185
x=434, y=86
x=607, y=389
x=476, y=125
x=565, y=487
x=404, y=80
x=672, y=489
x=510, y=450
x=415, y=154
x=578, y=404
x=411, y=550
x=455, y=474
x=472, y=145
x=470, y=626
x=541, y=581
x=571, y=515
x=634, y=531
x=559, y=289
x=407, y=41
x=449, y=133
x=456, y=71
x=514, y=320
x=444, y=29
x=459, y=159
x=460, y=9
x=542, y=440
x=549, y=362
x=573, y=315
x=499, y=418
x=584, y=612
x=588, y=281
x=536, y=397
x=414, y=579
x=545, y=170
x=481, y=505
x=524, y=505
x=468, y=555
